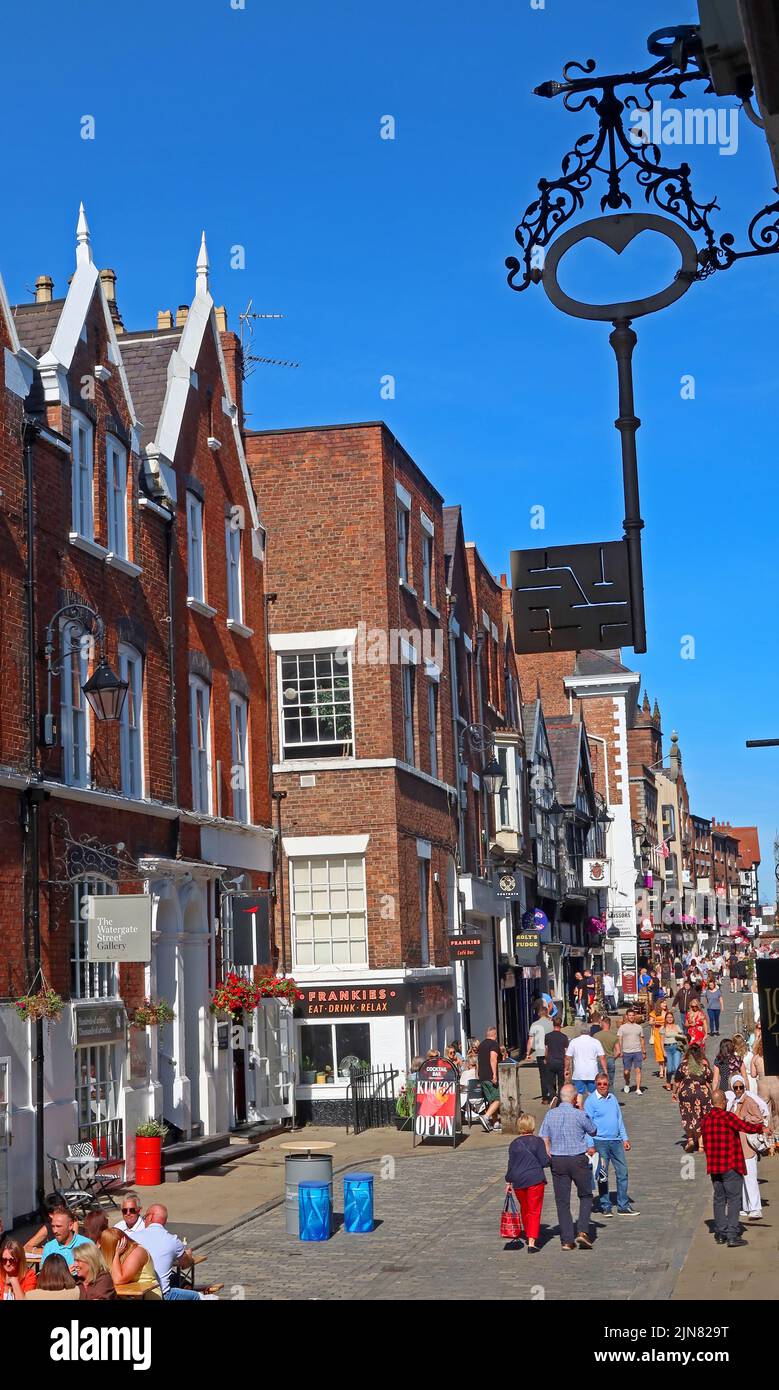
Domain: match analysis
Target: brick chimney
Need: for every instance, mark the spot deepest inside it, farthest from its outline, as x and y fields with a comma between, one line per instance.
x=164, y=319
x=108, y=281
x=44, y=286
x=233, y=356
x=181, y=315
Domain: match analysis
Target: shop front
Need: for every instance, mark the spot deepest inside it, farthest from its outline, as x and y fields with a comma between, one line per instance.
x=367, y=1024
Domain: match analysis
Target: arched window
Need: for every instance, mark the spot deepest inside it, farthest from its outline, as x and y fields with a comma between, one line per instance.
x=131, y=723
x=74, y=716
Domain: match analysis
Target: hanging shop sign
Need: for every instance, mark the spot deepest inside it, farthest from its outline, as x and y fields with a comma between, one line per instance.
x=768, y=1002
x=595, y=873
x=558, y=597
x=526, y=947
x=629, y=978
x=251, y=928
x=466, y=947
x=535, y=920
x=118, y=927
x=507, y=884
x=436, y=1101
x=94, y=1024
x=358, y=1000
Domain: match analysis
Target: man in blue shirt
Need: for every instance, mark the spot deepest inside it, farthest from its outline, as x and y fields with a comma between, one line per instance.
x=568, y=1134
x=66, y=1238
x=612, y=1144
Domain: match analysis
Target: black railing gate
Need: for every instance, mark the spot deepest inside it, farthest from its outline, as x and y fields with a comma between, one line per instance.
x=370, y=1098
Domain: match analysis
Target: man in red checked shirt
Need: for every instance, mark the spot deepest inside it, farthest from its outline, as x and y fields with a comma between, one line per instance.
x=720, y=1132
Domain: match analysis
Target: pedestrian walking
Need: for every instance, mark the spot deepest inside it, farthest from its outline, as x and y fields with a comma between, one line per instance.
x=612, y=1145
x=696, y=1023
x=692, y=1089
x=536, y=1046
x=569, y=1134
x=720, y=1132
x=589, y=992
x=673, y=1041
x=631, y=1047
x=584, y=1059
x=755, y=1110
x=727, y=1065
x=681, y=1000
x=712, y=1002
x=657, y=1021
x=609, y=993
x=487, y=1058
x=528, y=1157
x=603, y=1033
x=556, y=1047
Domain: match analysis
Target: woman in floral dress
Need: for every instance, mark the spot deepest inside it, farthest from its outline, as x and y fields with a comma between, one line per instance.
x=692, y=1089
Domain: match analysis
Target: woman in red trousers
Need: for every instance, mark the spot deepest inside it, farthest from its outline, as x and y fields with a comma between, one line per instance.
x=527, y=1160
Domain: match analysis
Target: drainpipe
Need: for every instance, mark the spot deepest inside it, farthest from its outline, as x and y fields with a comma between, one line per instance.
x=31, y=798
x=174, y=756
x=486, y=830
x=460, y=966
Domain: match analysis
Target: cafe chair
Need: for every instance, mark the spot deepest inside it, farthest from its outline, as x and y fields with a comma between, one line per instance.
x=474, y=1104
x=94, y=1184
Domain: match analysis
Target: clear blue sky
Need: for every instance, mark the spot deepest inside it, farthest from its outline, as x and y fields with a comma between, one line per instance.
x=262, y=125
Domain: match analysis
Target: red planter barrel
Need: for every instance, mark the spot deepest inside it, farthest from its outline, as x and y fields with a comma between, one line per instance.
x=148, y=1162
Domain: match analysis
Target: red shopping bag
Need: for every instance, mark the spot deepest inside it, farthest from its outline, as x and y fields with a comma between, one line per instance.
x=510, y=1218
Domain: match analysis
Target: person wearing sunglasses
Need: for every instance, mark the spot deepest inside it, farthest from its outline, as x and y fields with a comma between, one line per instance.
x=755, y=1111
x=132, y=1219
x=15, y=1278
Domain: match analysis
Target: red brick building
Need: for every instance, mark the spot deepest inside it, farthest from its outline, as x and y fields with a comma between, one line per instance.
x=362, y=742
x=146, y=554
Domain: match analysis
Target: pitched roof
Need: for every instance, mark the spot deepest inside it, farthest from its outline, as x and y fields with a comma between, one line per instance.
x=595, y=663
x=748, y=845
x=36, y=324
x=146, y=357
x=529, y=716
x=451, y=527
x=565, y=743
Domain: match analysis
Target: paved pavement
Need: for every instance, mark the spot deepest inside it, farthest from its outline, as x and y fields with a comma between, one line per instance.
x=437, y=1229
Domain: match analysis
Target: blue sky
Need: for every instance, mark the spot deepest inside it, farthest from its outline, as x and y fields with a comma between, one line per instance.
x=263, y=126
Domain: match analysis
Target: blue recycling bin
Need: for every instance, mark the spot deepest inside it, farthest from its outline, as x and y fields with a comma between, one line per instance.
x=358, y=1203
x=314, y=1211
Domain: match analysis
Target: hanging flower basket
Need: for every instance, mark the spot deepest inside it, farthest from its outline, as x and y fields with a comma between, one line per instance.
x=597, y=926
x=46, y=1003
x=151, y=1013
x=237, y=995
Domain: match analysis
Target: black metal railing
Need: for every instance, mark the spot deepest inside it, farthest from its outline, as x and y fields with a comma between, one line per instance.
x=370, y=1098
x=106, y=1138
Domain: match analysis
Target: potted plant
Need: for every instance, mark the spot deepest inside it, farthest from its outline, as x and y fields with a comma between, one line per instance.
x=149, y=1139
x=45, y=1003
x=404, y=1107
x=329, y=1074
x=151, y=1013
x=308, y=1072
x=321, y=1078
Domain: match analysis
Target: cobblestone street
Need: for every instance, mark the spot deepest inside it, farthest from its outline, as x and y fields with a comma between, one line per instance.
x=437, y=1227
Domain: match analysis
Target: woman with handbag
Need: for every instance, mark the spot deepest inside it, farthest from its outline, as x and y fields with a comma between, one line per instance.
x=755, y=1112
x=692, y=1089
x=525, y=1178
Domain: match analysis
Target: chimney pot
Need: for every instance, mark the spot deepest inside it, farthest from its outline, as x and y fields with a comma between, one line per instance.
x=181, y=315
x=221, y=318
x=164, y=318
x=108, y=281
x=43, y=289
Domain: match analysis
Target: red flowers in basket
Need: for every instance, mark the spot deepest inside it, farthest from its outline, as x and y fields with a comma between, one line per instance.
x=237, y=994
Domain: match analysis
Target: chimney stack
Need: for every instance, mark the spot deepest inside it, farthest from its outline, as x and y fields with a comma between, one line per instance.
x=181, y=315
x=108, y=281
x=164, y=318
x=221, y=318
x=43, y=289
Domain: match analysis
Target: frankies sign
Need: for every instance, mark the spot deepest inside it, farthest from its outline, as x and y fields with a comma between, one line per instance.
x=326, y=1001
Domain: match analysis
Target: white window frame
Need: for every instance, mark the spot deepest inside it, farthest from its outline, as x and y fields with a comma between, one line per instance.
x=358, y=944
x=202, y=789
x=83, y=476
x=403, y=525
x=239, y=712
x=116, y=493
x=511, y=793
x=75, y=720
x=427, y=568
x=407, y=678
x=432, y=719
x=131, y=747
x=312, y=749
x=89, y=981
x=234, y=553
x=195, y=562
x=423, y=879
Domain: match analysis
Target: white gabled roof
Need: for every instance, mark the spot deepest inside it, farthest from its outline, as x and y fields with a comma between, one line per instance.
x=182, y=363
x=83, y=286
x=5, y=310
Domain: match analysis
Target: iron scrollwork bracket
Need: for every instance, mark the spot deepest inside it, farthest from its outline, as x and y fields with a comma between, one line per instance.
x=612, y=151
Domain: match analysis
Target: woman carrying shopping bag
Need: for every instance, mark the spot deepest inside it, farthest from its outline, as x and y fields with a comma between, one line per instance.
x=526, y=1178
